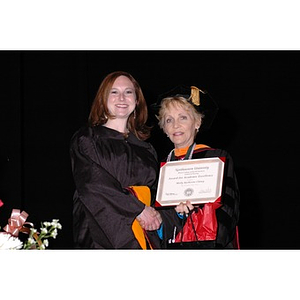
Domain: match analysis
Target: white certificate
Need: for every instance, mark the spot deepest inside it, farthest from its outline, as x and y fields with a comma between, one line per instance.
x=196, y=180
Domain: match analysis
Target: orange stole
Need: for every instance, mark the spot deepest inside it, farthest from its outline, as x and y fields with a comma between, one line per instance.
x=143, y=194
x=183, y=151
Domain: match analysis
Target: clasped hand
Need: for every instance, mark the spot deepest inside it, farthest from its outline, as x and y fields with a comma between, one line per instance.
x=149, y=218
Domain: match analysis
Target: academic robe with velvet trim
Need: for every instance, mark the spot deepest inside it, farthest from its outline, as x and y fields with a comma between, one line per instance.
x=104, y=163
x=227, y=214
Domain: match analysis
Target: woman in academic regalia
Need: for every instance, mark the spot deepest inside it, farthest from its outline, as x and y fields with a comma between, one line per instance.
x=182, y=112
x=115, y=170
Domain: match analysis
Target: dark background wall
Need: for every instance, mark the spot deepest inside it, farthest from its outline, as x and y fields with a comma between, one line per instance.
x=45, y=96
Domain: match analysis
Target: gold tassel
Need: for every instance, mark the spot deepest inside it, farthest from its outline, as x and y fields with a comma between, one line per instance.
x=195, y=95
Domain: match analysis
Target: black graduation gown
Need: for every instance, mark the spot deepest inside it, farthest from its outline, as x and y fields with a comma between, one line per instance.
x=103, y=164
x=227, y=214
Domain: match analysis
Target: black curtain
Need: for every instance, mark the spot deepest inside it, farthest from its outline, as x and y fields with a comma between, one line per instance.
x=46, y=96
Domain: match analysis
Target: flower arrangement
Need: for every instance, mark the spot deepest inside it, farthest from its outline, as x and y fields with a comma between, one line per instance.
x=9, y=239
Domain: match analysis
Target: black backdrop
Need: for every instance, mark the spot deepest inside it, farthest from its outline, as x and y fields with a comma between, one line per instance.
x=45, y=97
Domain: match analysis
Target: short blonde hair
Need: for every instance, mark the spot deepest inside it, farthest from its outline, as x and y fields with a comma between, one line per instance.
x=177, y=101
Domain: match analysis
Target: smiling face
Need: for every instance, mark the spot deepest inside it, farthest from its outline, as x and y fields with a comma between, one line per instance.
x=180, y=124
x=121, y=101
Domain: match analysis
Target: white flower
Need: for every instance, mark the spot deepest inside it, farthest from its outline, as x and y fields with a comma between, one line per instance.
x=42, y=247
x=54, y=233
x=44, y=230
x=31, y=241
x=9, y=242
x=55, y=223
x=47, y=224
x=46, y=243
x=33, y=231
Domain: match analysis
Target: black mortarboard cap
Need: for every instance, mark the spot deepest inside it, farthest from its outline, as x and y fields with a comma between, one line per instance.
x=200, y=99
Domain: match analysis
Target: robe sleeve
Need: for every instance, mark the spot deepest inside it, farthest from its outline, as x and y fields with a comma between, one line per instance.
x=109, y=208
x=228, y=213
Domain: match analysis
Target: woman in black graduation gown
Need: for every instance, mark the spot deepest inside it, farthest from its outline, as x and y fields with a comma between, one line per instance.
x=181, y=114
x=108, y=156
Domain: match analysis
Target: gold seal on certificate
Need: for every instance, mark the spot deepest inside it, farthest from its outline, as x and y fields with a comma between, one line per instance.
x=196, y=180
